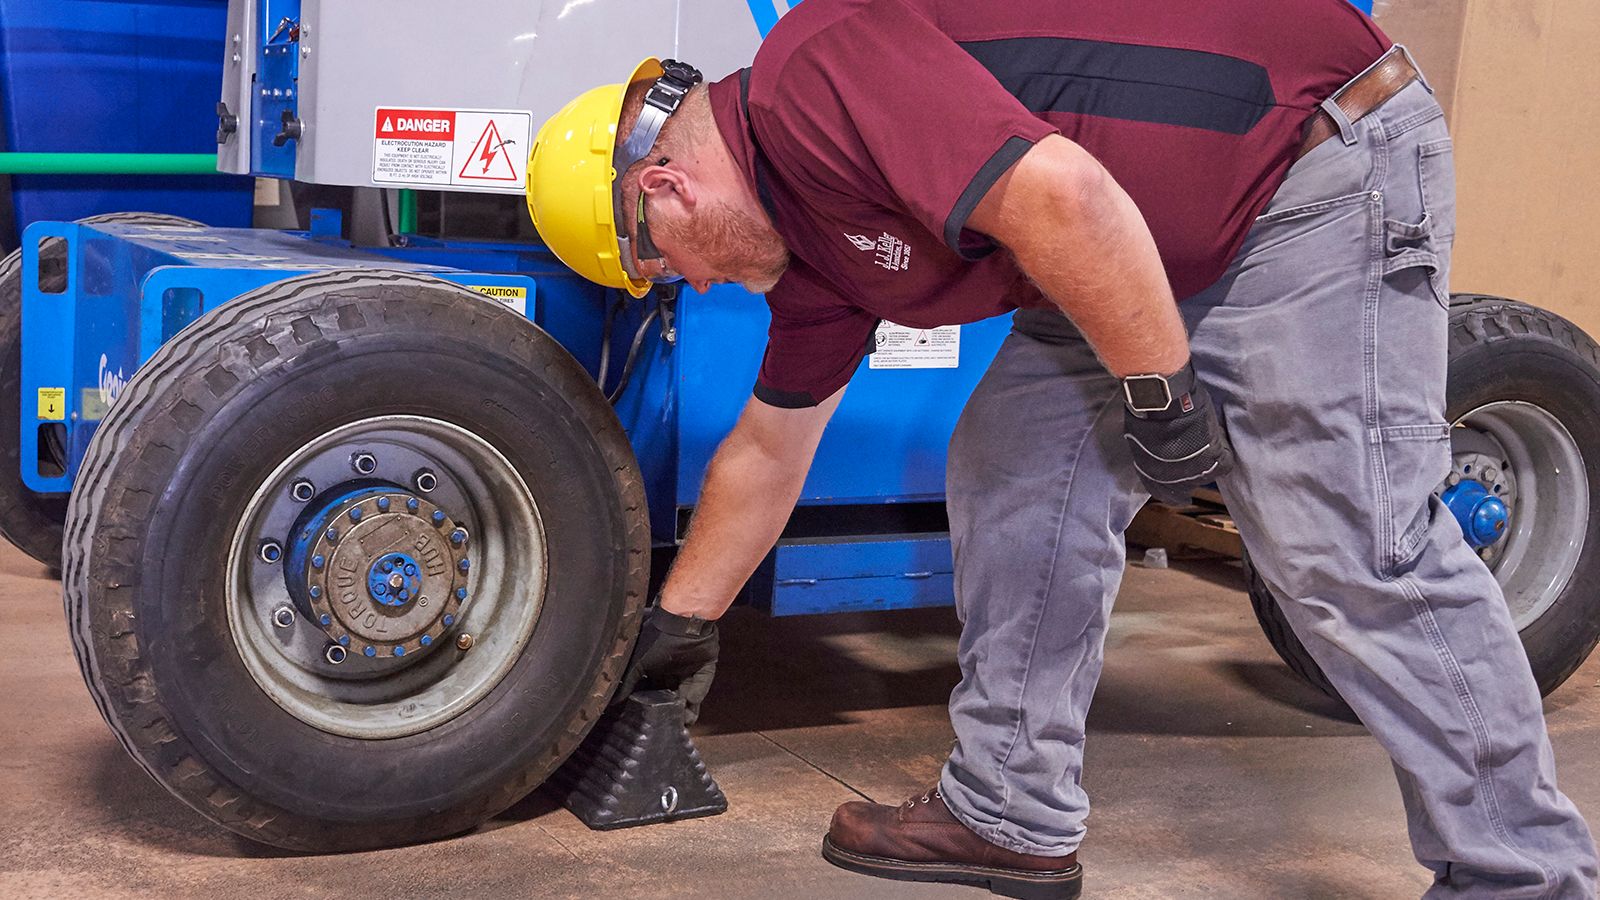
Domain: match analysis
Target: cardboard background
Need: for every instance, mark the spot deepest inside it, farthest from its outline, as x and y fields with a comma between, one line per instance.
x=1519, y=86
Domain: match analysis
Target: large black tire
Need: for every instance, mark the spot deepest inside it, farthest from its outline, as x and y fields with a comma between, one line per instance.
x=1504, y=350
x=205, y=421
x=31, y=521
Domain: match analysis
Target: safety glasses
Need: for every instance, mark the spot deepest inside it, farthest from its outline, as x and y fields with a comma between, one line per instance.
x=648, y=253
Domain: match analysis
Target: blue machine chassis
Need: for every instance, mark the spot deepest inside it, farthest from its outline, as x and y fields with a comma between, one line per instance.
x=132, y=288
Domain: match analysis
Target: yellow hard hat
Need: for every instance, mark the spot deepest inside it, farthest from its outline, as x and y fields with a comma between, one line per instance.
x=571, y=175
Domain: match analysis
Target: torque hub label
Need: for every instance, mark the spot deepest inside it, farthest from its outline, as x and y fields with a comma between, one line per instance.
x=464, y=148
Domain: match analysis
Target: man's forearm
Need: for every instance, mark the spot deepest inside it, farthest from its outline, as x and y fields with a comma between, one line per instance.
x=1080, y=237
x=744, y=503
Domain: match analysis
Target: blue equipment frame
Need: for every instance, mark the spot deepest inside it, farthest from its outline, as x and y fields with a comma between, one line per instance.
x=870, y=533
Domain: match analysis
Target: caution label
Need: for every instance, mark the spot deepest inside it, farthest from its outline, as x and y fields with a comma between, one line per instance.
x=899, y=347
x=53, y=404
x=469, y=148
x=514, y=297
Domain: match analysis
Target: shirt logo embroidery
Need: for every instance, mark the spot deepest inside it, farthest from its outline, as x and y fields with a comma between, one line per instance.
x=888, y=251
x=861, y=241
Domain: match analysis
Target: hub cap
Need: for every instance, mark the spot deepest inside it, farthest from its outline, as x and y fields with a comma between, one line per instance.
x=384, y=585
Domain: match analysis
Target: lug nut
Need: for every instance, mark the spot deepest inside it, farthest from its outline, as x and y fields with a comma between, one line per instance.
x=271, y=551
x=303, y=490
x=364, y=463
x=458, y=537
x=283, y=616
x=335, y=654
x=425, y=481
x=464, y=641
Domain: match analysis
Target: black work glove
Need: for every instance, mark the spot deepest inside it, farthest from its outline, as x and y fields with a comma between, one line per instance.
x=1177, y=448
x=675, y=653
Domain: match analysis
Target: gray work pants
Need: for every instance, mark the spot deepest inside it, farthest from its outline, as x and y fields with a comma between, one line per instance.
x=1324, y=346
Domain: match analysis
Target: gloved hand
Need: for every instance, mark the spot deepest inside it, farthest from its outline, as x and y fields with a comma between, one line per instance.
x=1177, y=448
x=676, y=653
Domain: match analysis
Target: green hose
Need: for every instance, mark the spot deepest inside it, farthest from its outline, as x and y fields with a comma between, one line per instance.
x=108, y=164
x=408, y=211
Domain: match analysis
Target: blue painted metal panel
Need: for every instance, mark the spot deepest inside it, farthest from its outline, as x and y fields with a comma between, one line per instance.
x=131, y=287
x=276, y=97
x=889, y=572
x=115, y=76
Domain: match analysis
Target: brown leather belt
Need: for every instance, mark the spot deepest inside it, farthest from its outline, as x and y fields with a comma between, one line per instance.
x=1361, y=96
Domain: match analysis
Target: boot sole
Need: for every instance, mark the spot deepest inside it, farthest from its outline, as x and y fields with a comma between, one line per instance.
x=1063, y=885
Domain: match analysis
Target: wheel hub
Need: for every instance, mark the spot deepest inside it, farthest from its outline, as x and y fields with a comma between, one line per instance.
x=1482, y=515
x=394, y=580
x=381, y=571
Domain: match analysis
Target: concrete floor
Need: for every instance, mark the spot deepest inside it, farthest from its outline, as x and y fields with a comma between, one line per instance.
x=1214, y=773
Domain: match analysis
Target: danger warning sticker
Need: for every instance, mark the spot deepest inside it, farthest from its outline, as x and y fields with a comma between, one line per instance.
x=899, y=347
x=470, y=148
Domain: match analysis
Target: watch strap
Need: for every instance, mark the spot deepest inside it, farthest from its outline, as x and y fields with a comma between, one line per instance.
x=1178, y=389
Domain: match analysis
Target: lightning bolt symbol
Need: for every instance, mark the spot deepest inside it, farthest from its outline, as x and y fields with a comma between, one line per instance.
x=488, y=154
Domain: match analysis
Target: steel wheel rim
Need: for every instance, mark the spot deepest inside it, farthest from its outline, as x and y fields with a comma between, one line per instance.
x=384, y=698
x=1549, y=511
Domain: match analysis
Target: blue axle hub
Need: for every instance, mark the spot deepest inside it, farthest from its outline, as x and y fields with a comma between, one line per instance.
x=393, y=579
x=1482, y=515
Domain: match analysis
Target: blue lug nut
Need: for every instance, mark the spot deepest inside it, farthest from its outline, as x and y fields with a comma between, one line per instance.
x=317, y=561
x=427, y=640
x=333, y=534
x=461, y=593
x=465, y=564
x=326, y=619
x=458, y=536
x=412, y=504
x=355, y=514
x=399, y=651
x=438, y=516
x=315, y=592
x=371, y=651
x=383, y=504
x=449, y=620
x=344, y=640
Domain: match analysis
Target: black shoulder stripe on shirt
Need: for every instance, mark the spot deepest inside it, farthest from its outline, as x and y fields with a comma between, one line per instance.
x=1164, y=85
x=771, y=396
x=1003, y=159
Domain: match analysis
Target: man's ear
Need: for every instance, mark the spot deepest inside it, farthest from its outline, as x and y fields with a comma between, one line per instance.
x=667, y=183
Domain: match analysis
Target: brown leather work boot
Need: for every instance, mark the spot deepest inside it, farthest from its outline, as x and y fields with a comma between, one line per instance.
x=920, y=840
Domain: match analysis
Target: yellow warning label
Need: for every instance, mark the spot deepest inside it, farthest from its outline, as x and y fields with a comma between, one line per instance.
x=501, y=292
x=53, y=404
x=514, y=297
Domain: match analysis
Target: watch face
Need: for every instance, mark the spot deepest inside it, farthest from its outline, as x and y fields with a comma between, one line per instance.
x=1147, y=393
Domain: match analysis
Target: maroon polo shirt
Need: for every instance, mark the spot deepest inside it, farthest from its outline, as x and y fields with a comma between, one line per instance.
x=872, y=128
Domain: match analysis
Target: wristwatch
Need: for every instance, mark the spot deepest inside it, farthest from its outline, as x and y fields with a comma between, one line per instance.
x=1150, y=394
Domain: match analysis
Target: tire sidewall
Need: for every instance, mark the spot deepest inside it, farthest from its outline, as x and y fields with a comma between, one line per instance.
x=1554, y=379
x=516, y=394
